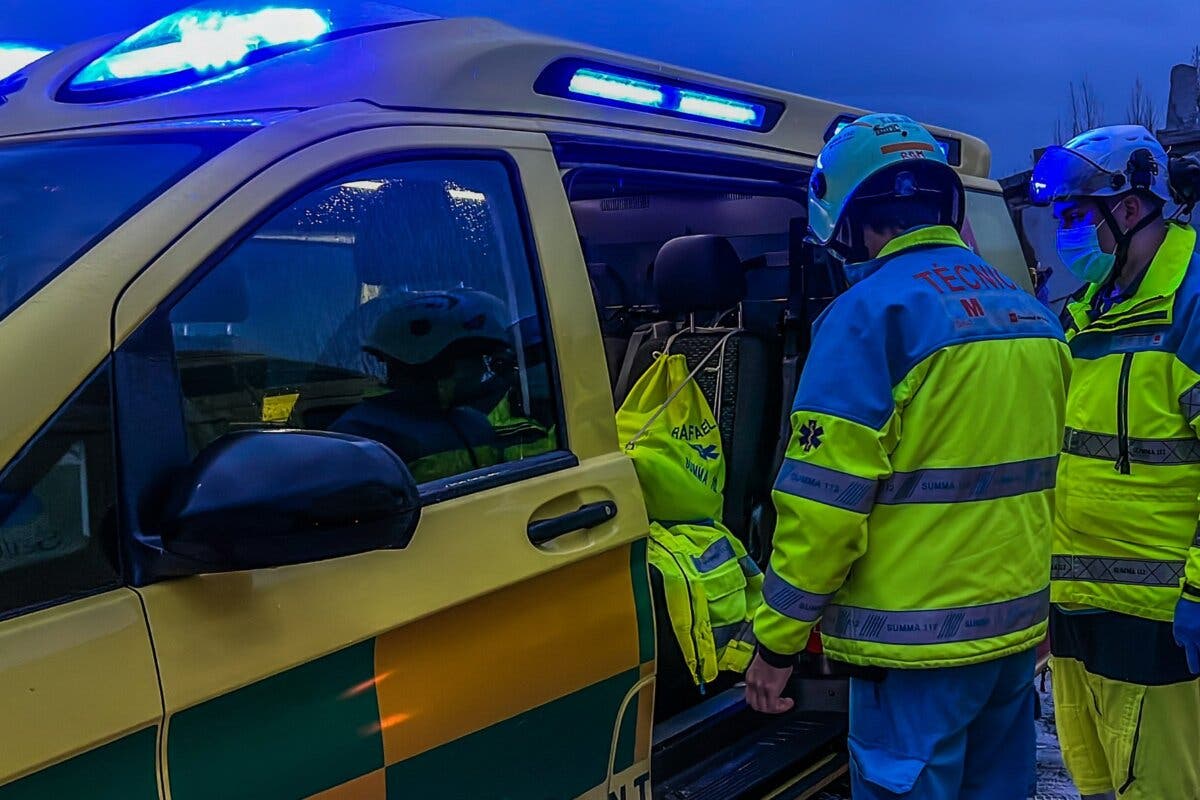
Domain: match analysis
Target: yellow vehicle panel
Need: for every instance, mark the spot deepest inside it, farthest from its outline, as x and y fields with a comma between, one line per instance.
x=78, y=686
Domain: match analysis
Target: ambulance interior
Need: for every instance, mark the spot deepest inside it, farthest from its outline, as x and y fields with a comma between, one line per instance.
x=737, y=261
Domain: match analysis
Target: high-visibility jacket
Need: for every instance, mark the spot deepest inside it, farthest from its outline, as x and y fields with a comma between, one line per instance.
x=713, y=589
x=434, y=442
x=519, y=436
x=1125, y=527
x=915, y=503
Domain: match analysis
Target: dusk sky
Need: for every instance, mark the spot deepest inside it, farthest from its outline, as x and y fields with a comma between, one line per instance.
x=999, y=70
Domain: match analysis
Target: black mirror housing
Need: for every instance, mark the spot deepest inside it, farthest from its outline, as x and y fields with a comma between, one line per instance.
x=257, y=499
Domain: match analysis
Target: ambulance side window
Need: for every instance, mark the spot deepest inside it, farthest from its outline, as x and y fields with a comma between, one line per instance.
x=397, y=303
x=57, y=507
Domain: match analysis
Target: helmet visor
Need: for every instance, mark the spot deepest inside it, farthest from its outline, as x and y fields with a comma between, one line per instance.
x=1062, y=174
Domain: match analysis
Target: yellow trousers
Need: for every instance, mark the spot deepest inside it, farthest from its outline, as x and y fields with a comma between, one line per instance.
x=1143, y=742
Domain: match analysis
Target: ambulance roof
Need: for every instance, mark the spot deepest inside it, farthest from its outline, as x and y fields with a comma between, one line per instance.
x=459, y=65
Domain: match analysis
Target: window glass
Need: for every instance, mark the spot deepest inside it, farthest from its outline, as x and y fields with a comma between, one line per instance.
x=995, y=237
x=57, y=508
x=396, y=304
x=58, y=197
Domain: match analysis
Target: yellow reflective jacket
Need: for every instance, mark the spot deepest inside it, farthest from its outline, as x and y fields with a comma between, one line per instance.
x=1128, y=482
x=713, y=589
x=519, y=436
x=915, y=504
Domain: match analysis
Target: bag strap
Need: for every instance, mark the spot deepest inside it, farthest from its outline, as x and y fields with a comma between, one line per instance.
x=718, y=393
x=625, y=377
x=678, y=389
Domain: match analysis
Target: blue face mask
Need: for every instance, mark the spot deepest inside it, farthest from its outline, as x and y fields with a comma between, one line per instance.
x=1079, y=248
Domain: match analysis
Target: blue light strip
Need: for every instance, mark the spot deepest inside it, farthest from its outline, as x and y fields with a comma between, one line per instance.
x=699, y=104
x=594, y=83
x=613, y=87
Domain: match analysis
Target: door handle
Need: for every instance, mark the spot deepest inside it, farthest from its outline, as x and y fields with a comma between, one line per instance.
x=587, y=517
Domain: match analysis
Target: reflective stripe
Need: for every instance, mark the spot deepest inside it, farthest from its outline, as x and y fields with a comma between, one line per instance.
x=1189, y=403
x=1115, y=323
x=749, y=568
x=737, y=631
x=828, y=486
x=718, y=553
x=937, y=626
x=969, y=484
x=1131, y=571
x=1141, y=451
x=792, y=601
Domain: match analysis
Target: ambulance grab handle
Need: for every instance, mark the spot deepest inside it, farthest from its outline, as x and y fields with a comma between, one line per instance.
x=589, y=516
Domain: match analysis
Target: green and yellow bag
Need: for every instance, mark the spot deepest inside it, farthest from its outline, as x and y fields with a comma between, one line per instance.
x=671, y=434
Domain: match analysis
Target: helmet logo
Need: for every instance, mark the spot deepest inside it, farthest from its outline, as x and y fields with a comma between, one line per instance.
x=883, y=130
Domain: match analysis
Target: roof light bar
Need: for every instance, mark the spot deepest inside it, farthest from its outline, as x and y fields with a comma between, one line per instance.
x=211, y=39
x=203, y=41
x=15, y=57
x=576, y=79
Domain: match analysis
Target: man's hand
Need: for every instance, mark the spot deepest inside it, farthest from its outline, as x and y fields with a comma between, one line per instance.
x=765, y=685
x=1187, y=632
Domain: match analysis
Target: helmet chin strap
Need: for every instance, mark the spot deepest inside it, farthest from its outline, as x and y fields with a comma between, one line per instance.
x=847, y=242
x=1124, y=240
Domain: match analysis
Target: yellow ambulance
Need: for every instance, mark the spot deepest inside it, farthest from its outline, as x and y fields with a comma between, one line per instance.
x=311, y=324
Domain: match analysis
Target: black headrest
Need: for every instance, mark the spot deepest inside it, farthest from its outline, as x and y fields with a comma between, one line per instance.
x=698, y=273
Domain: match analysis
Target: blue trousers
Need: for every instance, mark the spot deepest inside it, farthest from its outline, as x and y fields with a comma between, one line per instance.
x=958, y=733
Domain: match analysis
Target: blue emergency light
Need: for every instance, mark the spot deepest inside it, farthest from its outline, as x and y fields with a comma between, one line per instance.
x=575, y=79
x=16, y=56
x=951, y=147
x=207, y=40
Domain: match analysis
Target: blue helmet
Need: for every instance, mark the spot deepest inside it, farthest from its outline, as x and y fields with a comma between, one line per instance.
x=890, y=155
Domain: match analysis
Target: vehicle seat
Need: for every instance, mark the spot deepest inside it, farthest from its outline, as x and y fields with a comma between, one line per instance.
x=702, y=276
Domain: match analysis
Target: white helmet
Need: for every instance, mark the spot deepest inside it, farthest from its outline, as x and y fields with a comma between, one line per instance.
x=424, y=325
x=1104, y=162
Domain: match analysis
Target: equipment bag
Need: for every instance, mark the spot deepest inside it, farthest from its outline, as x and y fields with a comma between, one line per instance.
x=712, y=589
x=669, y=431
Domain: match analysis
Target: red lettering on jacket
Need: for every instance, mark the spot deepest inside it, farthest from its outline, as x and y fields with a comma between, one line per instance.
x=961, y=272
x=925, y=276
x=948, y=279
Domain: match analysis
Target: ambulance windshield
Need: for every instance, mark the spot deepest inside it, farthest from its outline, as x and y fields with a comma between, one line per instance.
x=58, y=198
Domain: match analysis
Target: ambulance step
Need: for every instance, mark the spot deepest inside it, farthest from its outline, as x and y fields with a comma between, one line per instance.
x=747, y=755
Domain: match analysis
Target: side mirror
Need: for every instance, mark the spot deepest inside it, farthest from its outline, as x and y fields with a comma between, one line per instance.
x=270, y=498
